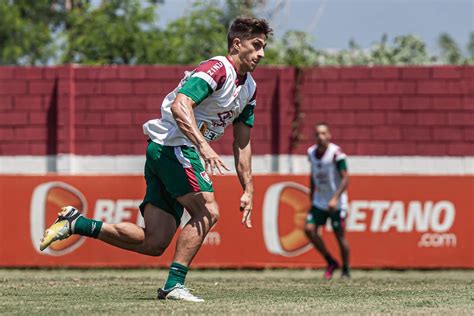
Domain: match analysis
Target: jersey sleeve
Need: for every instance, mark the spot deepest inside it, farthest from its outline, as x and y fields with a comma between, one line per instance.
x=207, y=78
x=248, y=116
x=340, y=158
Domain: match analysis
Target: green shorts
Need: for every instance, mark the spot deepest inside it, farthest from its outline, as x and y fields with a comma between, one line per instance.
x=319, y=217
x=171, y=172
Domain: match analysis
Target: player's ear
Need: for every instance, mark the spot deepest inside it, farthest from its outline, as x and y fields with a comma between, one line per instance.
x=236, y=44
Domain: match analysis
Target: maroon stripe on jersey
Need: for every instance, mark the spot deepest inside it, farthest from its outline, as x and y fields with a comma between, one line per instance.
x=215, y=69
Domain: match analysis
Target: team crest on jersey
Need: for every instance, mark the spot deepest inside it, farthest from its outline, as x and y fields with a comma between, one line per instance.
x=205, y=176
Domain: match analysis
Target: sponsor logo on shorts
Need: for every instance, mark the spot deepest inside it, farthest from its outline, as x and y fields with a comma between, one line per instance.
x=205, y=176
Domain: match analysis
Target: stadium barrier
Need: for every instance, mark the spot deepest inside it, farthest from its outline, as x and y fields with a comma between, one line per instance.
x=393, y=222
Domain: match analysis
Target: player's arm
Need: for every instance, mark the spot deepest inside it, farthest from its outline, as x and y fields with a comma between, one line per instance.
x=182, y=110
x=312, y=187
x=201, y=84
x=243, y=164
x=341, y=165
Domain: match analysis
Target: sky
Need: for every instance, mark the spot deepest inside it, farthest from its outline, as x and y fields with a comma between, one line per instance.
x=332, y=23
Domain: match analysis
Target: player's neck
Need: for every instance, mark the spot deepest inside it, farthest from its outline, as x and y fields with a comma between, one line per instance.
x=322, y=148
x=234, y=59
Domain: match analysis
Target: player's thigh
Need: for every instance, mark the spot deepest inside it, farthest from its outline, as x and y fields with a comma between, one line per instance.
x=317, y=217
x=338, y=222
x=182, y=172
x=160, y=226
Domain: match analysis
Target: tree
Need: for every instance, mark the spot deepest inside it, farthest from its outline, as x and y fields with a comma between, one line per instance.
x=381, y=53
x=235, y=8
x=115, y=32
x=26, y=29
x=450, y=52
x=196, y=36
x=409, y=50
x=470, y=49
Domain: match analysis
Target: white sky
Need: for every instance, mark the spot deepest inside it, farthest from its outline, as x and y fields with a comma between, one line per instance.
x=332, y=23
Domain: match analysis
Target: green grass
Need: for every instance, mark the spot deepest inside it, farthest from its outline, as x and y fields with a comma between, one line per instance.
x=241, y=292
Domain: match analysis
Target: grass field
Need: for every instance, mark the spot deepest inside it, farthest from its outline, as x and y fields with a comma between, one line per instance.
x=236, y=292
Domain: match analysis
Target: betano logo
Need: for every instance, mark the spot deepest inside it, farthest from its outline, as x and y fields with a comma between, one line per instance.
x=289, y=200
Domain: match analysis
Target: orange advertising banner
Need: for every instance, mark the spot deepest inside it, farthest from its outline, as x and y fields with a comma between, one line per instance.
x=393, y=221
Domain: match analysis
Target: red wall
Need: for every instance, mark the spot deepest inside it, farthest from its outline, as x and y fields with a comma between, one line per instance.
x=373, y=111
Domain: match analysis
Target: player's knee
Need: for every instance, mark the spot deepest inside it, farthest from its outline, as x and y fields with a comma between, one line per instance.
x=214, y=214
x=341, y=238
x=155, y=249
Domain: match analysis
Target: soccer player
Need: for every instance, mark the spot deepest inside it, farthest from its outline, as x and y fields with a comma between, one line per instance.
x=329, y=181
x=218, y=93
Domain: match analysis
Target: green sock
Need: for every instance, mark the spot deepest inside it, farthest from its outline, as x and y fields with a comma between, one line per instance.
x=87, y=227
x=177, y=275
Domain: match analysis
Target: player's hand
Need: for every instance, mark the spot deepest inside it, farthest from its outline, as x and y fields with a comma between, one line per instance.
x=246, y=204
x=332, y=205
x=212, y=160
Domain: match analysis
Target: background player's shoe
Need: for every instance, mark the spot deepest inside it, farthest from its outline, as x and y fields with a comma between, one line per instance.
x=62, y=227
x=178, y=292
x=330, y=270
x=345, y=274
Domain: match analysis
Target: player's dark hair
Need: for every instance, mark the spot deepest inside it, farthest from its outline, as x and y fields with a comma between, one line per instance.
x=245, y=28
x=322, y=124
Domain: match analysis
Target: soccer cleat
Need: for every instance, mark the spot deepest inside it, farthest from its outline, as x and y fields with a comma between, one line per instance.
x=178, y=292
x=62, y=227
x=330, y=270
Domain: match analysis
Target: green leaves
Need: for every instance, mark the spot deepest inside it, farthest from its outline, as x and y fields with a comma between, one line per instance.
x=116, y=32
x=126, y=32
x=195, y=37
x=26, y=29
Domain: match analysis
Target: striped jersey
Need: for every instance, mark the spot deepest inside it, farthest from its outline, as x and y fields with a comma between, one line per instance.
x=325, y=175
x=222, y=96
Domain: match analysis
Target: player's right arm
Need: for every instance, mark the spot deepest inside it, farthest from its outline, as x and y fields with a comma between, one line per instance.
x=182, y=110
x=207, y=78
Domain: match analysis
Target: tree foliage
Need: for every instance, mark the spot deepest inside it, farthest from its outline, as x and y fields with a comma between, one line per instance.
x=26, y=29
x=115, y=32
x=126, y=32
x=194, y=37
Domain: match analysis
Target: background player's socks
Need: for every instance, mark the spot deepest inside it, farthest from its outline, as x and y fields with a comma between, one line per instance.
x=330, y=260
x=345, y=270
x=177, y=275
x=87, y=227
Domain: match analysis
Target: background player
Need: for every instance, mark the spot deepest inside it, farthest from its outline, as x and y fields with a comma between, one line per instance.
x=219, y=92
x=329, y=181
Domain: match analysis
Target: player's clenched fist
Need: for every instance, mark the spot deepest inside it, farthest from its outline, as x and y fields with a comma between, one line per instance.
x=246, y=204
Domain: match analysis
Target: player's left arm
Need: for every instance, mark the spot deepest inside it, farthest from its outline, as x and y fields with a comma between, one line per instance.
x=243, y=164
x=341, y=165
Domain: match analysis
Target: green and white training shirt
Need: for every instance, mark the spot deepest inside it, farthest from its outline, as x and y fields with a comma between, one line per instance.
x=222, y=96
x=325, y=175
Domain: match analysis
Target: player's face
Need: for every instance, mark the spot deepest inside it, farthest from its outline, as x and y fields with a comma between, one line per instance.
x=323, y=136
x=251, y=52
